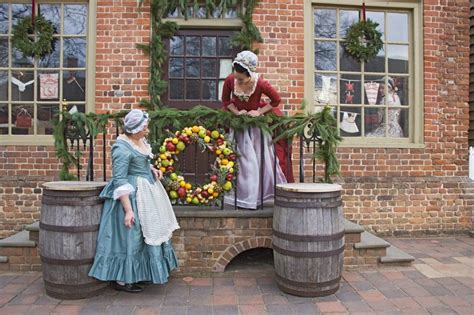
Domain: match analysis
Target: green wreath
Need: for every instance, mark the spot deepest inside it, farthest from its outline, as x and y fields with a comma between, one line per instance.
x=44, y=31
x=363, y=40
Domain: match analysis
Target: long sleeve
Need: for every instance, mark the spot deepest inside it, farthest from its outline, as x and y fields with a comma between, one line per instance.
x=269, y=91
x=227, y=91
x=120, y=163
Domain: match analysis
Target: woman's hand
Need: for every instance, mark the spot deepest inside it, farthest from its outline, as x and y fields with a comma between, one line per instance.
x=129, y=218
x=254, y=113
x=157, y=173
x=242, y=112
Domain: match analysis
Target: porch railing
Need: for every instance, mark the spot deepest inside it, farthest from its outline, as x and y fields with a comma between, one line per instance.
x=86, y=148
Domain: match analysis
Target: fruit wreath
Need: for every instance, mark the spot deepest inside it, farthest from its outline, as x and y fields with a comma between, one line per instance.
x=221, y=177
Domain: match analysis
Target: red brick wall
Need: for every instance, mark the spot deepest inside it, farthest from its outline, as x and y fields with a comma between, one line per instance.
x=391, y=191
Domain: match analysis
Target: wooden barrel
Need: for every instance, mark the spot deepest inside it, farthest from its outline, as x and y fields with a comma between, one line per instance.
x=308, y=238
x=69, y=224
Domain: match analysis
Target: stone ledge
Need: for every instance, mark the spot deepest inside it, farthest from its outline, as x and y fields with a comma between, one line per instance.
x=34, y=227
x=18, y=240
x=370, y=241
x=198, y=212
x=396, y=256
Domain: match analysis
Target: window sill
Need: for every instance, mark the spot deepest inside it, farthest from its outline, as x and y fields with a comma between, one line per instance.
x=379, y=143
x=43, y=140
x=207, y=23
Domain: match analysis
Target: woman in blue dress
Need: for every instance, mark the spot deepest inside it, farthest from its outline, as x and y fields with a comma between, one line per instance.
x=137, y=220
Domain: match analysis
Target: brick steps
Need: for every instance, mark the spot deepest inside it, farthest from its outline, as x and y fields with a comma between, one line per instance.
x=362, y=249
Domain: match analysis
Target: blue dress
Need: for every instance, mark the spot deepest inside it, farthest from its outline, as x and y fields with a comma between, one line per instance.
x=122, y=254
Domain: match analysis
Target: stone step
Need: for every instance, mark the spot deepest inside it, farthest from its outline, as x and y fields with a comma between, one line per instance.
x=396, y=256
x=3, y=259
x=20, y=239
x=33, y=230
x=353, y=232
x=370, y=241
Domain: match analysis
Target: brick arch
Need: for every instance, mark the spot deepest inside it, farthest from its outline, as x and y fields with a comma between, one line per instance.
x=233, y=250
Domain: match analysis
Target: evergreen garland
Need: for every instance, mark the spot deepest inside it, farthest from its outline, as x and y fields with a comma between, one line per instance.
x=322, y=124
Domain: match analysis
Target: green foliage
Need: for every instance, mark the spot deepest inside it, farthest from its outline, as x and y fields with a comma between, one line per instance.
x=36, y=48
x=363, y=40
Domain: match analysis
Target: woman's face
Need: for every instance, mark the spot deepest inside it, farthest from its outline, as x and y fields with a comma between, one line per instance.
x=241, y=78
x=143, y=133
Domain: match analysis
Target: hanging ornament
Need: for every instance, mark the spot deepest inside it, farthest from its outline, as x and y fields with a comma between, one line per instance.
x=349, y=98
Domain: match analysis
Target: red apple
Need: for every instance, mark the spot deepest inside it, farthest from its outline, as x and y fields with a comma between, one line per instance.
x=232, y=156
x=229, y=177
x=219, y=141
x=205, y=194
x=182, y=192
x=170, y=169
x=208, y=133
x=213, y=178
x=170, y=147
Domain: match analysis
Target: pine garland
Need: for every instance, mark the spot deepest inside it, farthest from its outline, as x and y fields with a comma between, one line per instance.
x=90, y=125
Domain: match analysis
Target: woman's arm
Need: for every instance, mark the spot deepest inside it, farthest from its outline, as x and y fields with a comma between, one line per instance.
x=226, y=97
x=275, y=99
x=120, y=165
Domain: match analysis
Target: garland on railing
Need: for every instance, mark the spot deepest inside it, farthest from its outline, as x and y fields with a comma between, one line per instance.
x=83, y=126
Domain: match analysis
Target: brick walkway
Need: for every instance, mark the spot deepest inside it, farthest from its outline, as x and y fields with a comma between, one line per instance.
x=441, y=281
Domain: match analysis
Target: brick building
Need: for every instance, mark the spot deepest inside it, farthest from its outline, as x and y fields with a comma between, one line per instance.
x=410, y=179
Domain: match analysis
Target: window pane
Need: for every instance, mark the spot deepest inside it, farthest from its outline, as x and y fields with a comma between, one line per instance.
x=192, y=90
x=350, y=89
x=3, y=85
x=4, y=52
x=378, y=17
x=225, y=68
x=393, y=129
x=390, y=93
x=209, y=68
x=19, y=11
x=52, y=12
x=201, y=13
x=75, y=19
x=22, y=120
x=374, y=89
x=397, y=27
x=74, y=52
x=225, y=46
x=325, y=23
x=193, y=68
x=397, y=58
x=74, y=85
x=325, y=89
x=176, y=88
x=373, y=122
x=401, y=87
x=48, y=86
x=376, y=64
x=221, y=88
x=209, y=45
x=46, y=114
x=350, y=121
x=209, y=91
x=403, y=120
x=176, y=46
x=231, y=13
x=22, y=86
x=176, y=68
x=3, y=18
x=79, y=107
x=346, y=19
x=3, y=119
x=193, y=46
x=51, y=60
x=18, y=60
x=347, y=62
x=325, y=55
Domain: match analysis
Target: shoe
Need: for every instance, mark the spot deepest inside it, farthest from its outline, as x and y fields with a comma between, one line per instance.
x=145, y=282
x=127, y=287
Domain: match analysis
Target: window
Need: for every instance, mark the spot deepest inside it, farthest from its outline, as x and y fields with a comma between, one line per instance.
x=375, y=102
x=199, y=61
x=31, y=91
